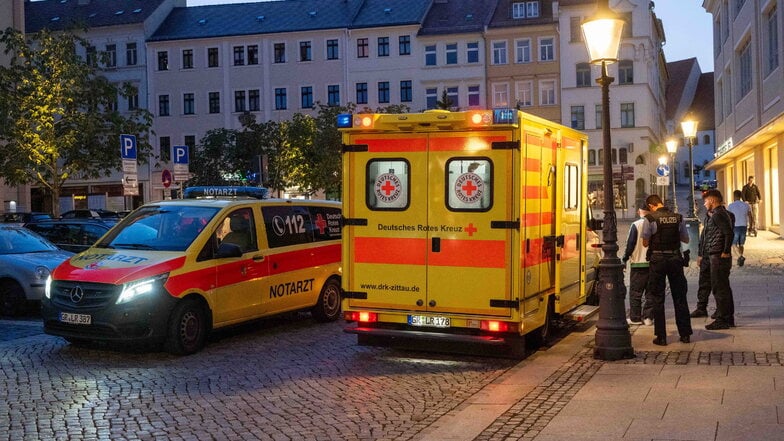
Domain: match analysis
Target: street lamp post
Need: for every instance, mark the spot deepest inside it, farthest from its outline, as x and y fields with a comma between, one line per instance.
x=689, y=128
x=672, y=148
x=613, y=340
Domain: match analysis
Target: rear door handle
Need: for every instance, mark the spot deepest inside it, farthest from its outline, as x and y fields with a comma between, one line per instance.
x=258, y=258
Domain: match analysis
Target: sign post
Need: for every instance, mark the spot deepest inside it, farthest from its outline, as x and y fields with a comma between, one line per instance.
x=130, y=179
x=181, y=160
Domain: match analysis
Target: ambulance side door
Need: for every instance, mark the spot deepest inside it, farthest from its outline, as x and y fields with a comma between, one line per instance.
x=385, y=221
x=571, y=227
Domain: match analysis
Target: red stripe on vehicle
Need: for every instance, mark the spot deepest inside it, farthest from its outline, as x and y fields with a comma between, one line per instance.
x=470, y=253
x=458, y=143
x=401, y=251
x=394, y=145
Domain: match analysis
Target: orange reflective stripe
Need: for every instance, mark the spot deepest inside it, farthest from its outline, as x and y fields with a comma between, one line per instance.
x=532, y=165
x=470, y=253
x=455, y=143
x=401, y=251
x=394, y=145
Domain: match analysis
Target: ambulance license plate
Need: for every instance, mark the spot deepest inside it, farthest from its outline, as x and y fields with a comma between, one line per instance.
x=75, y=319
x=427, y=320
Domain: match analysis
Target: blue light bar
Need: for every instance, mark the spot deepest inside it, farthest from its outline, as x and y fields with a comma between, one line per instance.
x=504, y=116
x=224, y=192
x=345, y=121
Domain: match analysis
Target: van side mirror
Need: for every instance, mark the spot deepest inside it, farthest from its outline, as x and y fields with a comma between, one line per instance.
x=595, y=224
x=227, y=249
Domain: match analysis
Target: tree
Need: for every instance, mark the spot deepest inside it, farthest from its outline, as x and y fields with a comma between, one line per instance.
x=58, y=114
x=217, y=159
x=445, y=102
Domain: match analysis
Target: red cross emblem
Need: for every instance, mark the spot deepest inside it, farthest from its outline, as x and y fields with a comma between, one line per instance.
x=469, y=187
x=388, y=187
x=471, y=229
x=321, y=224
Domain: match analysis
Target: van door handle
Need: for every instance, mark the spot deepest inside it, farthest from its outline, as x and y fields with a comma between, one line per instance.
x=436, y=245
x=258, y=258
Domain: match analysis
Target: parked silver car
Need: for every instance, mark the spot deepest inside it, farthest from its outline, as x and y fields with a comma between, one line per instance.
x=26, y=259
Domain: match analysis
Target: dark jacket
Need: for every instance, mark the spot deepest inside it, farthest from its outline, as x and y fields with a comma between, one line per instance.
x=751, y=193
x=716, y=237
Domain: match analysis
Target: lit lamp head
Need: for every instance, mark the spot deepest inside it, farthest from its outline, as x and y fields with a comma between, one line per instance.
x=672, y=146
x=602, y=34
x=689, y=127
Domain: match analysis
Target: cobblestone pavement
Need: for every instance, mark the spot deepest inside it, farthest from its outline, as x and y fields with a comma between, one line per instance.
x=288, y=380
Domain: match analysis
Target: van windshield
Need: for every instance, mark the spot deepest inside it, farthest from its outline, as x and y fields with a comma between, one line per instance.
x=159, y=228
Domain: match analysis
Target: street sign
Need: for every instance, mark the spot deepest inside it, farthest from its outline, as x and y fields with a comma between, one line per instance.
x=166, y=178
x=128, y=147
x=130, y=185
x=663, y=180
x=663, y=170
x=129, y=165
x=180, y=159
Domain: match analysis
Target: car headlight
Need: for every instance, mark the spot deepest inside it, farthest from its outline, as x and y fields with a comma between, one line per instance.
x=48, y=287
x=133, y=290
x=41, y=272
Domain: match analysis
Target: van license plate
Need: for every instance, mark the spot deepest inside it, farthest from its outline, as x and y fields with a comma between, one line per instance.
x=426, y=320
x=75, y=319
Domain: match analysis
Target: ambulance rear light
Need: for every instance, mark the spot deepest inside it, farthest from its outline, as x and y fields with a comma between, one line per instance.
x=344, y=121
x=497, y=326
x=360, y=316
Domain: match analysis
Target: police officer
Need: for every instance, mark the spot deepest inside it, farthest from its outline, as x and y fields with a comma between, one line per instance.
x=662, y=232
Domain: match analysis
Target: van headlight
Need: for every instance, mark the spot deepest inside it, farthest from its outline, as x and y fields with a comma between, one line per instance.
x=48, y=287
x=133, y=290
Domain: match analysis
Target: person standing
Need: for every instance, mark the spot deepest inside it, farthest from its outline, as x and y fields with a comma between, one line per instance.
x=663, y=232
x=636, y=252
x=751, y=194
x=714, y=258
x=742, y=211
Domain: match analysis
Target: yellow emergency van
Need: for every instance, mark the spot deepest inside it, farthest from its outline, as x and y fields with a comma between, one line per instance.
x=463, y=226
x=173, y=270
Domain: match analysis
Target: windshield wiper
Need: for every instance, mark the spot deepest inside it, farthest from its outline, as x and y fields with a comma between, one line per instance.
x=136, y=246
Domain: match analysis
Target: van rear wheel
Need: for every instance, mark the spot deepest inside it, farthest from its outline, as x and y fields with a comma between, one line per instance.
x=187, y=331
x=327, y=308
x=539, y=337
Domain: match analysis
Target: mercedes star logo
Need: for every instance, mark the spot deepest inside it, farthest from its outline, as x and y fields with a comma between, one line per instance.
x=77, y=294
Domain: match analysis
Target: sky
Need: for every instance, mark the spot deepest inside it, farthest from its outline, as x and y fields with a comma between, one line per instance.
x=687, y=28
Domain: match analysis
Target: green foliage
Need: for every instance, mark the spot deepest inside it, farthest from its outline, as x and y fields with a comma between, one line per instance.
x=445, y=103
x=58, y=113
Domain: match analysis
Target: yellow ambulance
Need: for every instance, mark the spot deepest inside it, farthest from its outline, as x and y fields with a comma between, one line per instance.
x=463, y=226
x=171, y=271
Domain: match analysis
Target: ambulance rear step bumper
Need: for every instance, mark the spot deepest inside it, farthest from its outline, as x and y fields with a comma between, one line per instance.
x=424, y=335
x=582, y=313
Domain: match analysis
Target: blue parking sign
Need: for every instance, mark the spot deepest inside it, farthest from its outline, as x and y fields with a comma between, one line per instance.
x=180, y=154
x=128, y=147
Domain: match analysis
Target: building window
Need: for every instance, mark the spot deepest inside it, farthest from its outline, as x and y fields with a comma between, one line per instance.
x=518, y=10
x=528, y=9
x=111, y=55
x=131, y=57
x=500, y=95
x=239, y=56
x=383, y=92
x=188, y=104
x=164, y=147
x=431, y=97
x=333, y=50
x=623, y=156
x=583, y=75
x=253, y=54
x=280, y=99
x=279, y=52
x=626, y=72
x=451, y=53
x=627, y=114
x=547, y=93
x=578, y=117
x=499, y=52
x=133, y=101
x=239, y=100
x=404, y=45
x=706, y=139
x=333, y=95
x=254, y=100
x=212, y=57
x=214, y=102
x=163, y=105
x=187, y=58
x=524, y=93
x=725, y=23
x=523, y=50
x=591, y=157
x=306, y=100
x=430, y=55
x=383, y=46
x=575, y=30
x=473, y=96
x=745, y=70
x=305, y=51
x=163, y=60
x=771, y=41
x=546, y=49
x=452, y=94
x=716, y=37
x=362, y=48
x=472, y=52
x=406, y=91
x=90, y=55
x=362, y=93
x=598, y=116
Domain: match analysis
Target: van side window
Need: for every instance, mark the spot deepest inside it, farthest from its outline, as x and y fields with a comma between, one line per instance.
x=571, y=187
x=469, y=184
x=387, y=184
x=239, y=229
x=295, y=225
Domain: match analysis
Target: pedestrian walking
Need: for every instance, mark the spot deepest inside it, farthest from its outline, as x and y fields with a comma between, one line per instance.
x=714, y=258
x=742, y=211
x=663, y=232
x=636, y=254
x=751, y=194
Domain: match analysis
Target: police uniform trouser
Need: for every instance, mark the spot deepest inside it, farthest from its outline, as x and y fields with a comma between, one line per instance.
x=669, y=266
x=715, y=277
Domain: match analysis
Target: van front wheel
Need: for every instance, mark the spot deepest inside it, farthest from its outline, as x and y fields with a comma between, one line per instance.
x=327, y=308
x=187, y=331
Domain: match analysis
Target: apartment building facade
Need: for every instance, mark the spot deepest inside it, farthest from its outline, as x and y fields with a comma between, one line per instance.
x=748, y=82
